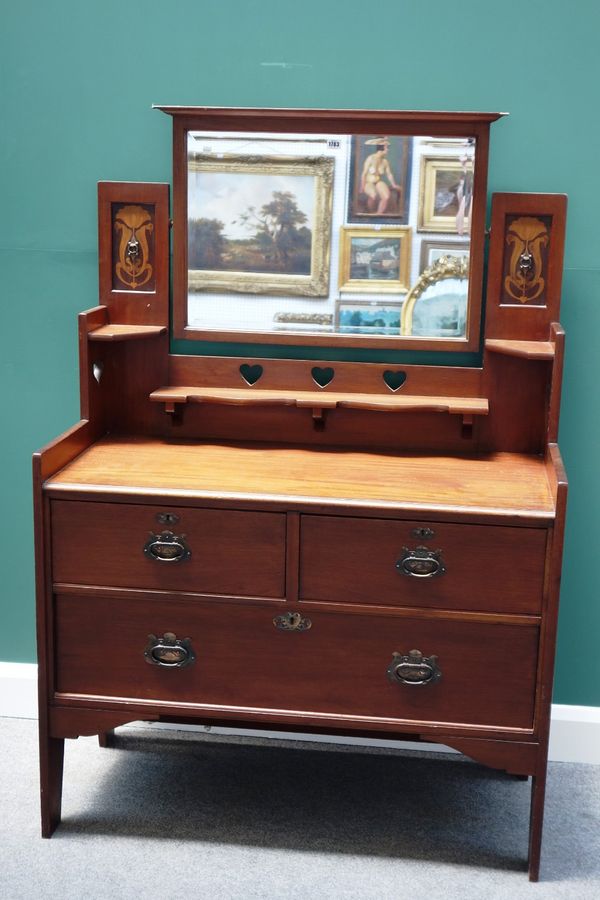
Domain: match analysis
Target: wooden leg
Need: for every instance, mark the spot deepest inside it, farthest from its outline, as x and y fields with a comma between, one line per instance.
x=105, y=738
x=536, y=822
x=51, y=776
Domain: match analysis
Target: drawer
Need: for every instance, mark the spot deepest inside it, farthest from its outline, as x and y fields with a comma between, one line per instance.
x=337, y=667
x=231, y=552
x=485, y=567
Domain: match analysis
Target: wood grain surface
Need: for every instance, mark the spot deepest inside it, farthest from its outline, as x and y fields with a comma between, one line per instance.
x=502, y=483
x=489, y=568
x=232, y=552
x=337, y=667
x=474, y=406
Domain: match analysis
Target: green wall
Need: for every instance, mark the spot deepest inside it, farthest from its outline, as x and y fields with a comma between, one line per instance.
x=77, y=81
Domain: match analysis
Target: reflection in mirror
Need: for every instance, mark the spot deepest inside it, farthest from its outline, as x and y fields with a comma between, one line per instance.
x=329, y=234
x=437, y=304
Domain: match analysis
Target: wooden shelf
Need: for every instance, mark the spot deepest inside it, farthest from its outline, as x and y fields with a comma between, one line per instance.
x=522, y=349
x=176, y=396
x=125, y=332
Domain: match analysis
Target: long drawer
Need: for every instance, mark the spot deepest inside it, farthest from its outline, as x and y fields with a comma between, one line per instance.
x=317, y=661
x=164, y=548
x=468, y=567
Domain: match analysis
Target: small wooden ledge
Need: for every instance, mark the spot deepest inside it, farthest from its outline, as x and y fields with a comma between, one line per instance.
x=125, y=332
x=522, y=349
x=175, y=397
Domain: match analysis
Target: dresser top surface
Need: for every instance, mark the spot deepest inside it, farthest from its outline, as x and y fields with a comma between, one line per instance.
x=505, y=484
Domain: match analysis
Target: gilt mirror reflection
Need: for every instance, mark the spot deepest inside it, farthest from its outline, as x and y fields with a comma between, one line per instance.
x=313, y=237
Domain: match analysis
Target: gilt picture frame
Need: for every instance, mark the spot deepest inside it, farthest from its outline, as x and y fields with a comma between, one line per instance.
x=445, y=194
x=375, y=260
x=259, y=224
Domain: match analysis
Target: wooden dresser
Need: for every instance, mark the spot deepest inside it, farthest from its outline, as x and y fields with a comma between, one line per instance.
x=351, y=557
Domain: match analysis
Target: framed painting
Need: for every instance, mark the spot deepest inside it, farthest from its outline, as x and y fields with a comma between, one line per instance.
x=374, y=260
x=368, y=317
x=432, y=250
x=259, y=224
x=446, y=194
x=379, y=182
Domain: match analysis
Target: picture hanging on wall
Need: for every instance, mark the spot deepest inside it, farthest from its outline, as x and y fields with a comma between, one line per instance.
x=432, y=250
x=446, y=194
x=374, y=260
x=259, y=224
x=379, y=179
x=368, y=317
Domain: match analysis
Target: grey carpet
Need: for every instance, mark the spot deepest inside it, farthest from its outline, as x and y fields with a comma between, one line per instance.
x=201, y=817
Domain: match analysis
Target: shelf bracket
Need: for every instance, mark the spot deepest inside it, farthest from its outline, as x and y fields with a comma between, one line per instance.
x=318, y=417
x=175, y=410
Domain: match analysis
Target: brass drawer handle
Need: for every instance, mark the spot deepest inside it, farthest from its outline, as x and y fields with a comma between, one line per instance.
x=292, y=621
x=421, y=563
x=169, y=651
x=413, y=668
x=167, y=547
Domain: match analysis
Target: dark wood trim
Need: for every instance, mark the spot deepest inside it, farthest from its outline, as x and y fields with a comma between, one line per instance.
x=331, y=339
x=292, y=560
x=518, y=759
x=557, y=335
x=307, y=719
x=57, y=453
x=306, y=120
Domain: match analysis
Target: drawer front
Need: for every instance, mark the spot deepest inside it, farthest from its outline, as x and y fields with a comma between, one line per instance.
x=480, y=567
x=338, y=666
x=231, y=552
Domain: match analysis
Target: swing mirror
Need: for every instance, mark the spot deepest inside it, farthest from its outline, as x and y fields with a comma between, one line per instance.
x=338, y=227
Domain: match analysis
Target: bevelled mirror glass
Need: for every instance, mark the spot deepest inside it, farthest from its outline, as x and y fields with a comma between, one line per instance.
x=289, y=233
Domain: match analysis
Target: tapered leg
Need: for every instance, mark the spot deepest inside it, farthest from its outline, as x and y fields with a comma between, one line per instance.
x=536, y=822
x=105, y=738
x=51, y=776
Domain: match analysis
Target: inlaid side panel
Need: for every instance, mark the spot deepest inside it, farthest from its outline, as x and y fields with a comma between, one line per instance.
x=526, y=259
x=525, y=265
x=133, y=248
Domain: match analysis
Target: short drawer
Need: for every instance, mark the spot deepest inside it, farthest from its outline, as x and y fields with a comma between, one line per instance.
x=335, y=664
x=473, y=567
x=209, y=551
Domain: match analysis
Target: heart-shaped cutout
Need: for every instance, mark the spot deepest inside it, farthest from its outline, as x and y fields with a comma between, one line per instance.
x=394, y=380
x=97, y=370
x=250, y=374
x=321, y=376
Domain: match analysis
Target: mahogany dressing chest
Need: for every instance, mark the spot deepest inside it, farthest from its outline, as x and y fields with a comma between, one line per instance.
x=320, y=544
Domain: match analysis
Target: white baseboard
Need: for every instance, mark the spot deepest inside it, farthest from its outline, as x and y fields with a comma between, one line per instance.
x=18, y=690
x=574, y=735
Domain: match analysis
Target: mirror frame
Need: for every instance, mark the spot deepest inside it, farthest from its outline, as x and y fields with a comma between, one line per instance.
x=332, y=122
